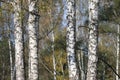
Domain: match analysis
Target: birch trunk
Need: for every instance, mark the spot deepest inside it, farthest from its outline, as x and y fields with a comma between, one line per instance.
x=62, y=68
x=53, y=39
x=118, y=51
x=10, y=53
x=54, y=61
x=10, y=47
x=71, y=56
x=81, y=64
x=92, y=42
x=19, y=64
x=33, y=56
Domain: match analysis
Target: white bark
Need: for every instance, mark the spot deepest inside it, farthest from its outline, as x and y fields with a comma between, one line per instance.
x=11, y=61
x=53, y=39
x=54, y=61
x=10, y=53
x=118, y=51
x=33, y=56
x=81, y=64
x=18, y=41
x=10, y=45
x=71, y=23
x=92, y=42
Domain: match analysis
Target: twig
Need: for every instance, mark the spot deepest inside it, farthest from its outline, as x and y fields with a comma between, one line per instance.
x=109, y=66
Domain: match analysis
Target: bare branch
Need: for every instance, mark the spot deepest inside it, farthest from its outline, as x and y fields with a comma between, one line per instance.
x=109, y=66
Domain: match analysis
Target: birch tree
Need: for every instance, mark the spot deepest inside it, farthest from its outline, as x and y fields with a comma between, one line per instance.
x=72, y=64
x=53, y=55
x=118, y=51
x=53, y=39
x=11, y=60
x=10, y=51
x=33, y=56
x=19, y=64
x=92, y=42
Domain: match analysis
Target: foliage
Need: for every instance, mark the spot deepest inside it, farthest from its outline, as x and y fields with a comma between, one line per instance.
x=51, y=20
x=4, y=60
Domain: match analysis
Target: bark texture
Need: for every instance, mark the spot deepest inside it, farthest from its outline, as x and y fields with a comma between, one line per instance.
x=118, y=51
x=18, y=41
x=71, y=23
x=92, y=42
x=81, y=64
x=54, y=61
x=33, y=56
x=11, y=58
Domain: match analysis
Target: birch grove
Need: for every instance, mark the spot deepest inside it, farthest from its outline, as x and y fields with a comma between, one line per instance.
x=59, y=40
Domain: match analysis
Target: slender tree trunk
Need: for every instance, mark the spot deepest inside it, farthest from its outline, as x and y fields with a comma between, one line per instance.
x=10, y=46
x=11, y=58
x=118, y=51
x=53, y=51
x=92, y=42
x=33, y=50
x=11, y=61
x=19, y=64
x=54, y=61
x=71, y=56
x=62, y=67
x=81, y=64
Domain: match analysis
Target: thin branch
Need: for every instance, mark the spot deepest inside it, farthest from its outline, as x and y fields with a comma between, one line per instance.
x=55, y=25
x=109, y=66
x=46, y=66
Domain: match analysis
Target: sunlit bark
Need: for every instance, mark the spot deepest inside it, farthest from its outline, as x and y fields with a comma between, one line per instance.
x=92, y=42
x=19, y=64
x=118, y=51
x=33, y=50
x=71, y=24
